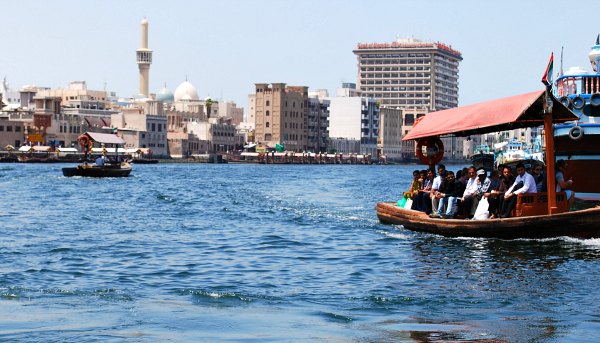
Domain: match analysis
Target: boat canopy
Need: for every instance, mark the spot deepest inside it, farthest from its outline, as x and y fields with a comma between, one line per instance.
x=525, y=110
x=106, y=138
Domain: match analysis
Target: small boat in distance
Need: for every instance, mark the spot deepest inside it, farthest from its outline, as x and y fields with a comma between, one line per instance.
x=108, y=166
x=483, y=157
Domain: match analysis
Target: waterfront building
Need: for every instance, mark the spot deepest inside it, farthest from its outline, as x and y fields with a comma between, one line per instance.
x=280, y=115
x=411, y=74
x=317, y=121
x=229, y=109
x=389, y=143
x=143, y=126
x=354, y=117
x=144, y=60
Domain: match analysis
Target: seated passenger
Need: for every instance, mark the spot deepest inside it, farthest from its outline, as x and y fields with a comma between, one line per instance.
x=100, y=161
x=524, y=183
x=452, y=191
x=496, y=194
x=423, y=199
x=437, y=184
x=469, y=193
x=414, y=188
x=483, y=186
x=561, y=184
x=540, y=178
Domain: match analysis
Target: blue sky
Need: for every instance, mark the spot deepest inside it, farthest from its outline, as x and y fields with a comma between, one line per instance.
x=505, y=44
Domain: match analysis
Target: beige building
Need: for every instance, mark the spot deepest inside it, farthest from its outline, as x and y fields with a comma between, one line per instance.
x=389, y=142
x=281, y=114
x=409, y=73
x=140, y=129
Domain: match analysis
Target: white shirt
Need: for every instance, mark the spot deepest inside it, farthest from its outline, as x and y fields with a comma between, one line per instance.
x=471, y=187
x=437, y=182
x=529, y=185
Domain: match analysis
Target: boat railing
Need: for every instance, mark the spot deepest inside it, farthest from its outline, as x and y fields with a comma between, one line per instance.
x=535, y=204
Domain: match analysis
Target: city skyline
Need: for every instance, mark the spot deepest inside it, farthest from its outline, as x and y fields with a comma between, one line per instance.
x=225, y=47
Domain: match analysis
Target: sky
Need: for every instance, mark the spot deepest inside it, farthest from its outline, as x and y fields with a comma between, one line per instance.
x=224, y=47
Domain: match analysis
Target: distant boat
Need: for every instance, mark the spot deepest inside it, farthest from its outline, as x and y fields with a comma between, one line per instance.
x=113, y=166
x=483, y=157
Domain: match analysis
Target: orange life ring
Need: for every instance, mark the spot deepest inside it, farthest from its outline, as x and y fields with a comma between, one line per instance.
x=84, y=141
x=435, y=150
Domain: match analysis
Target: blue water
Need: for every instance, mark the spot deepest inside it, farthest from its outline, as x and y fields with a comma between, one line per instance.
x=254, y=253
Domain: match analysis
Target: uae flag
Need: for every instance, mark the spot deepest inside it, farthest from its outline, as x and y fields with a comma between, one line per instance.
x=547, y=77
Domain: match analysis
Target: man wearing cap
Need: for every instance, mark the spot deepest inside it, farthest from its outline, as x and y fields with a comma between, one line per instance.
x=483, y=186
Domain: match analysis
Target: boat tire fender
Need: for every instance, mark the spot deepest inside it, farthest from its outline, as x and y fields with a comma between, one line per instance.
x=565, y=100
x=576, y=133
x=595, y=99
x=433, y=144
x=578, y=102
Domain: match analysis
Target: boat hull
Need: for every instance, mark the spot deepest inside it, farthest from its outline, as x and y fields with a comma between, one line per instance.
x=580, y=224
x=94, y=171
x=583, y=157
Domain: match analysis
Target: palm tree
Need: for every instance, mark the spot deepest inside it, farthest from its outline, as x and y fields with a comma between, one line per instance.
x=208, y=103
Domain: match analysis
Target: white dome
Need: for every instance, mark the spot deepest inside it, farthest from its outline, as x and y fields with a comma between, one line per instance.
x=186, y=91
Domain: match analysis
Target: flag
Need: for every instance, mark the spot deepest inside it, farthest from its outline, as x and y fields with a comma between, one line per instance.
x=547, y=77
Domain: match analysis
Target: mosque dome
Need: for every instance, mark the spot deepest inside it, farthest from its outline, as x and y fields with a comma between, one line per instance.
x=165, y=95
x=186, y=91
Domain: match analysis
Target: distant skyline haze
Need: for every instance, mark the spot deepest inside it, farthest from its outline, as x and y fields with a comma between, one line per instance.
x=224, y=47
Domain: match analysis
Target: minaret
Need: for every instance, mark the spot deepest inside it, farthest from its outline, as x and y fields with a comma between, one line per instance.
x=144, y=59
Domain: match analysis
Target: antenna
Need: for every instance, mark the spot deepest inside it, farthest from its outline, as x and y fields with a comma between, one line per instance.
x=561, y=61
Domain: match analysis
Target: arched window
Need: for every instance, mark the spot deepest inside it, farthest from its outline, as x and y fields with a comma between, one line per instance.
x=267, y=113
x=268, y=103
x=267, y=124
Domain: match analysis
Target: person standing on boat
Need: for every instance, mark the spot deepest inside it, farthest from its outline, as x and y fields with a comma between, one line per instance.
x=561, y=184
x=524, y=183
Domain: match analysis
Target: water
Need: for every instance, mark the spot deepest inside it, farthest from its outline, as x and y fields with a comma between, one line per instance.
x=254, y=253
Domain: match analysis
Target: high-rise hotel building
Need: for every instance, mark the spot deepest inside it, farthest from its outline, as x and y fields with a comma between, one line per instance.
x=409, y=73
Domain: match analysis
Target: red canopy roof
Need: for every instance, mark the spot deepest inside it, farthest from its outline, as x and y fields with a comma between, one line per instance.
x=525, y=110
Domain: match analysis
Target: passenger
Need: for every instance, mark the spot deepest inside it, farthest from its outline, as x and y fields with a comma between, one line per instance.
x=496, y=195
x=436, y=186
x=100, y=161
x=453, y=190
x=469, y=193
x=464, y=176
x=414, y=186
x=524, y=183
x=423, y=199
x=561, y=184
x=539, y=177
x=483, y=186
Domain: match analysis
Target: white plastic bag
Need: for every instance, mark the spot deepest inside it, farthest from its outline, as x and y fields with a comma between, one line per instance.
x=482, y=211
x=408, y=203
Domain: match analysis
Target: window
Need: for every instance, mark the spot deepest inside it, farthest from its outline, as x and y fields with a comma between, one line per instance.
x=17, y=129
x=268, y=103
x=9, y=129
x=267, y=113
x=267, y=124
x=153, y=127
x=1, y=128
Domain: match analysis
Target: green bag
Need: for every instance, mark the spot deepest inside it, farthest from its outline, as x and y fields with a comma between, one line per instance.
x=401, y=202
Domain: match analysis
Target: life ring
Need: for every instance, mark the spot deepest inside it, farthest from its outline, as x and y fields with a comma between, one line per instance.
x=84, y=141
x=435, y=150
x=576, y=133
x=578, y=102
x=565, y=100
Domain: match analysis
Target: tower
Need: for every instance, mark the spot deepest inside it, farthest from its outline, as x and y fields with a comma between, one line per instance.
x=144, y=59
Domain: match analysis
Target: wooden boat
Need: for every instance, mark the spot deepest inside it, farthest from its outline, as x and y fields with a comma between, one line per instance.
x=537, y=215
x=113, y=167
x=122, y=169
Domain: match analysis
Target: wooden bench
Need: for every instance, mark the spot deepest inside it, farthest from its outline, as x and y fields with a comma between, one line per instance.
x=535, y=204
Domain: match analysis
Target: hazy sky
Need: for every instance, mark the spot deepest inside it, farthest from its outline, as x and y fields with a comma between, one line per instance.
x=224, y=47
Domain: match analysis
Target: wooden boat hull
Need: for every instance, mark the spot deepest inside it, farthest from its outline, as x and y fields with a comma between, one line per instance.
x=93, y=171
x=580, y=224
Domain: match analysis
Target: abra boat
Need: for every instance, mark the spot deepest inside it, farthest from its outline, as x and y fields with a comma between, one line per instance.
x=578, y=142
x=536, y=215
x=483, y=157
x=113, y=166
